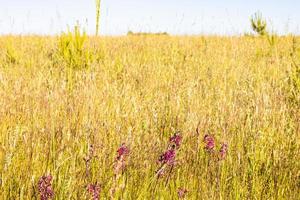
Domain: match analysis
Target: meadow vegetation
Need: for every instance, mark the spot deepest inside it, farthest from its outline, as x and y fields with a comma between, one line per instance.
x=91, y=117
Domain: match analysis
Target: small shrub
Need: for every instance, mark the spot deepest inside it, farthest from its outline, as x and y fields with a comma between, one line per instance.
x=258, y=24
x=71, y=49
x=73, y=54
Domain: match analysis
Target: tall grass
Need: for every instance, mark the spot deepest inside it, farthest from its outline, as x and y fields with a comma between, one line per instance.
x=98, y=3
x=140, y=90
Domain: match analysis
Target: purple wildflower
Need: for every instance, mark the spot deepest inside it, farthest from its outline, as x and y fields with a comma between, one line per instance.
x=181, y=193
x=223, y=151
x=168, y=157
x=44, y=187
x=210, y=142
x=122, y=151
x=120, y=163
x=94, y=190
x=176, y=139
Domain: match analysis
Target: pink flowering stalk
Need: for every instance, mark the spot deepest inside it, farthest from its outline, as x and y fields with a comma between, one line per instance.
x=123, y=151
x=182, y=193
x=45, y=187
x=209, y=143
x=120, y=163
x=167, y=162
x=176, y=140
x=223, y=151
x=167, y=159
x=119, y=167
x=94, y=190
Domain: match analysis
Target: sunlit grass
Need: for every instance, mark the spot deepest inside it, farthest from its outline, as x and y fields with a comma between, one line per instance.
x=140, y=90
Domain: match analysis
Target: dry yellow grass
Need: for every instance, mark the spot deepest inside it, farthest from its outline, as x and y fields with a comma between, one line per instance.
x=140, y=90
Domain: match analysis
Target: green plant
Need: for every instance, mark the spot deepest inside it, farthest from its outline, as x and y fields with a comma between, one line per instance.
x=74, y=55
x=258, y=24
x=71, y=49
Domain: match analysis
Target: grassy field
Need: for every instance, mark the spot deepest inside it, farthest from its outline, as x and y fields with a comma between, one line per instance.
x=68, y=103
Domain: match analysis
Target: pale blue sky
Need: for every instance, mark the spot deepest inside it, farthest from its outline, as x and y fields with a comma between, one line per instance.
x=175, y=17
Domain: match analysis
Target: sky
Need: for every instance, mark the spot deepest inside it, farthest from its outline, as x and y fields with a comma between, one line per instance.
x=179, y=17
